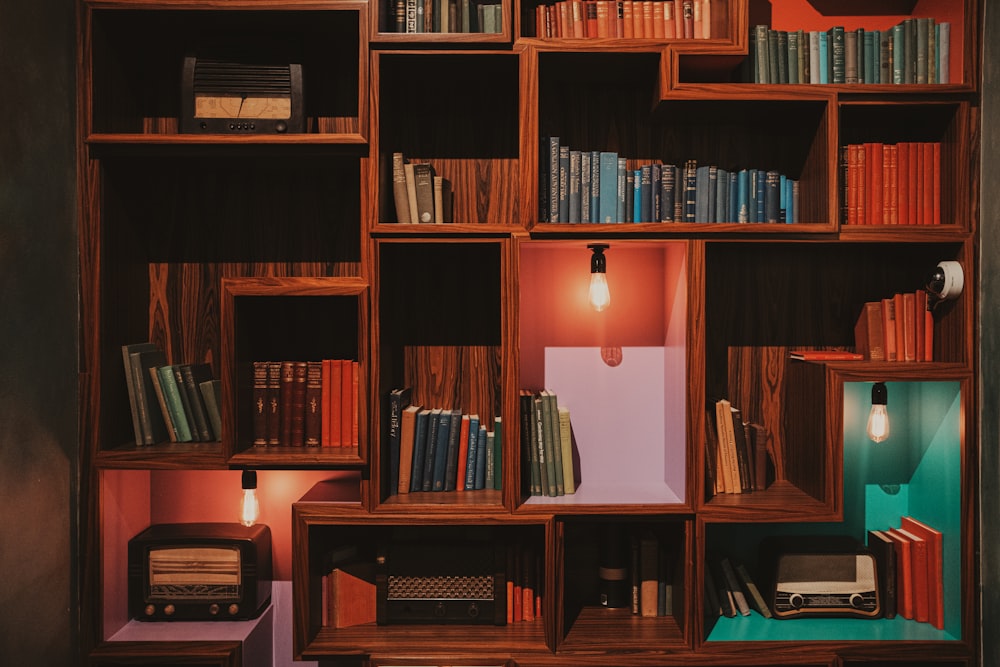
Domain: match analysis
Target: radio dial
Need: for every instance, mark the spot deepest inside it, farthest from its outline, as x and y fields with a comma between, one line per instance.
x=213, y=609
x=795, y=600
x=857, y=601
x=150, y=610
x=234, y=609
x=169, y=610
x=473, y=610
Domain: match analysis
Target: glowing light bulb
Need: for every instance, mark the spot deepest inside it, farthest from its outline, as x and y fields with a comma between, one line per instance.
x=878, y=418
x=249, y=505
x=599, y=294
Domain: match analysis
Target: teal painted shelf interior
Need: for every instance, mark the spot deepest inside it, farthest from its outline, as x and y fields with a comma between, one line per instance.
x=915, y=472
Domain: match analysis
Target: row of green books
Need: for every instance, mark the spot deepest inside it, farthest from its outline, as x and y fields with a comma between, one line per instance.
x=599, y=187
x=170, y=402
x=444, y=16
x=441, y=449
x=547, y=443
x=915, y=51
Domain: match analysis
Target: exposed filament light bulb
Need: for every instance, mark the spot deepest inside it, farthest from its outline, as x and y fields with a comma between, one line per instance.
x=249, y=505
x=878, y=418
x=599, y=294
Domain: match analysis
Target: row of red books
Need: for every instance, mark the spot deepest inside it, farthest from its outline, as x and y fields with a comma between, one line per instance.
x=625, y=19
x=896, y=328
x=305, y=403
x=892, y=184
x=910, y=570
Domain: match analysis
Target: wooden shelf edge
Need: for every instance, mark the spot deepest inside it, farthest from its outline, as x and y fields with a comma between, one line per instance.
x=165, y=456
x=304, y=139
x=298, y=457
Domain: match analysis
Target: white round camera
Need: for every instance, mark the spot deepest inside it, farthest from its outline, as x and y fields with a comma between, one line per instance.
x=947, y=280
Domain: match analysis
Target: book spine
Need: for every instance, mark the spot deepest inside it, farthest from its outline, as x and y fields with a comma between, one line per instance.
x=171, y=392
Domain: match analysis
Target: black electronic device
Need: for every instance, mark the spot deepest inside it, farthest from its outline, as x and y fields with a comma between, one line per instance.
x=822, y=576
x=199, y=572
x=455, y=583
x=223, y=95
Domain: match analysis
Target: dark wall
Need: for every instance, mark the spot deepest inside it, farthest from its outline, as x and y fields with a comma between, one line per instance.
x=38, y=333
x=990, y=341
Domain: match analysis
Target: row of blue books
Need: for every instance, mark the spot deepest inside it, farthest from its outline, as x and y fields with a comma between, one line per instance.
x=577, y=186
x=914, y=51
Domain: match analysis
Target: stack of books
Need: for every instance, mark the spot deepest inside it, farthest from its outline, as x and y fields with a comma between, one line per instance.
x=891, y=184
x=625, y=19
x=441, y=449
x=910, y=564
x=420, y=195
x=601, y=187
x=896, y=328
x=305, y=403
x=170, y=402
x=547, y=444
x=738, y=458
x=914, y=51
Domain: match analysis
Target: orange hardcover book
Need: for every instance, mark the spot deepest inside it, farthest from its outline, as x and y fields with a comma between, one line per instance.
x=325, y=405
x=928, y=335
x=825, y=355
x=893, y=185
x=603, y=18
x=935, y=565
x=647, y=19
x=912, y=170
x=873, y=163
x=869, y=339
x=897, y=300
x=920, y=323
x=889, y=329
x=903, y=183
x=669, y=21
x=336, y=387
x=927, y=182
x=351, y=596
x=680, y=7
x=590, y=9
x=909, y=327
x=904, y=580
x=862, y=184
x=346, y=403
x=407, y=423
x=628, y=20
x=886, y=184
x=657, y=20
x=918, y=183
x=852, y=184
x=919, y=575
x=936, y=204
x=463, y=455
x=355, y=416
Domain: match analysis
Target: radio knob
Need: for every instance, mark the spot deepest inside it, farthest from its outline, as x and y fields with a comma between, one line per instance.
x=169, y=610
x=234, y=609
x=439, y=610
x=473, y=610
x=281, y=126
x=795, y=600
x=213, y=609
x=150, y=610
x=857, y=601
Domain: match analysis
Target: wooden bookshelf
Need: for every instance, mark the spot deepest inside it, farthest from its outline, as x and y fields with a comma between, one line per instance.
x=234, y=248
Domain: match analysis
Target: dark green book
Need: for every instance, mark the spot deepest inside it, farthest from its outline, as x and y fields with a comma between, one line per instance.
x=420, y=432
x=430, y=455
x=442, y=440
x=838, y=55
x=451, y=459
x=497, y=454
x=175, y=404
x=151, y=420
x=211, y=395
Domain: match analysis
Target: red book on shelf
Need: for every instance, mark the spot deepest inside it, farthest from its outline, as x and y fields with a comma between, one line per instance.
x=912, y=171
x=355, y=416
x=285, y=402
x=928, y=335
x=935, y=566
x=893, y=185
x=352, y=595
x=346, y=403
x=852, y=184
x=909, y=326
x=591, y=9
x=869, y=339
x=463, y=455
x=336, y=387
x=873, y=160
x=897, y=301
x=889, y=329
x=886, y=184
x=825, y=355
x=862, y=185
x=936, y=176
x=603, y=18
x=919, y=575
x=918, y=183
x=669, y=20
x=324, y=439
x=903, y=183
x=927, y=182
x=919, y=308
x=904, y=581
x=579, y=19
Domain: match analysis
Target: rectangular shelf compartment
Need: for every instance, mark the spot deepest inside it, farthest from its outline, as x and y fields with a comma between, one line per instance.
x=320, y=528
x=620, y=372
x=137, y=57
x=441, y=332
x=291, y=319
x=168, y=240
x=592, y=544
x=918, y=471
x=389, y=24
x=595, y=101
x=424, y=116
x=945, y=122
x=747, y=361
